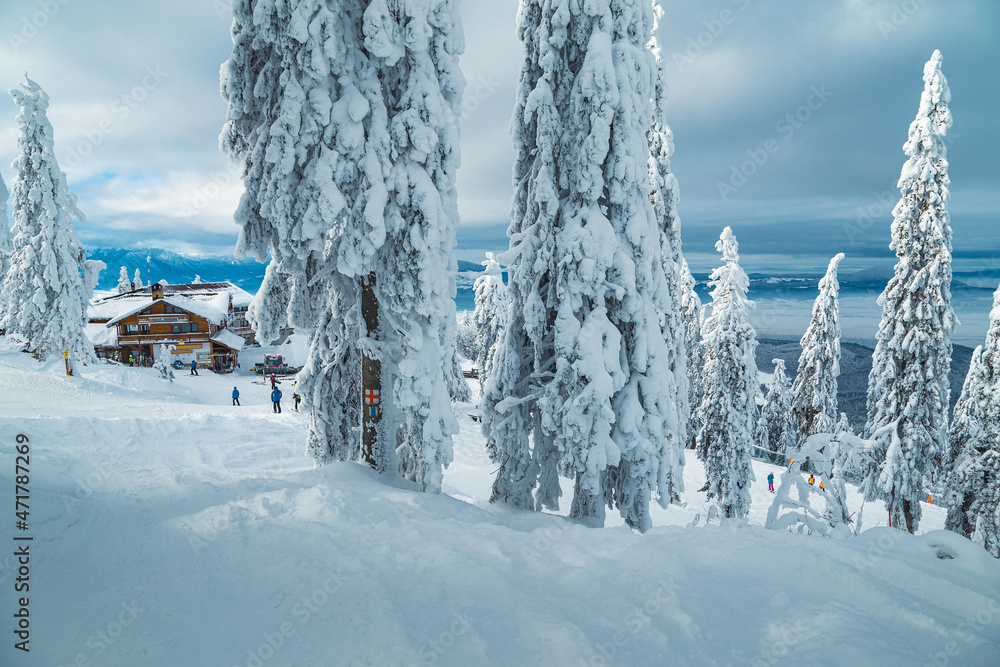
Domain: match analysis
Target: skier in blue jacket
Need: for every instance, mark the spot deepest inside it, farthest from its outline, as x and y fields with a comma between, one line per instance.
x=236, y=396
x=276, y=400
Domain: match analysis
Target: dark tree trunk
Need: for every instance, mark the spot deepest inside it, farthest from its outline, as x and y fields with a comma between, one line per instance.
x=371, y=378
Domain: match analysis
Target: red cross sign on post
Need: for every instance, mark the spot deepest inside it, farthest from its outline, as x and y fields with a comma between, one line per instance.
x=372, y=398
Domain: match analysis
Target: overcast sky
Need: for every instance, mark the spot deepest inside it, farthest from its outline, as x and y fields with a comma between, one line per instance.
x=136, y=110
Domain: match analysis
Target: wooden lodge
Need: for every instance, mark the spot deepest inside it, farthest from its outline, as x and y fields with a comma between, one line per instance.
x=203, y=322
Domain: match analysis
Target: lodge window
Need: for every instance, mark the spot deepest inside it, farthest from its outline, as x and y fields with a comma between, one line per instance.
x=144, y=329
x=194, y=327
x=131, y=328
x=175, y=328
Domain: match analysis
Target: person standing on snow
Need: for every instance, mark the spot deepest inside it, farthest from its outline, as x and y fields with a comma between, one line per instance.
x=811, y=480
x=276, y=400
x=297, y=399
x=236, y=396
x=194, y=367
x=770, y=482
x=274, y=381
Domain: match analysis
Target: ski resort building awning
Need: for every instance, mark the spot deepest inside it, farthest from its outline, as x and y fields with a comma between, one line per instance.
x=229, y=339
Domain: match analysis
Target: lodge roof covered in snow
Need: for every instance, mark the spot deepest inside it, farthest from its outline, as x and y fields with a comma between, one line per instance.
x=229, y=339
x=210, y=310
x=209, y=300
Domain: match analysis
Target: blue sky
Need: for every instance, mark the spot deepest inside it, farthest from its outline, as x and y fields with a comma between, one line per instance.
x=834, y=85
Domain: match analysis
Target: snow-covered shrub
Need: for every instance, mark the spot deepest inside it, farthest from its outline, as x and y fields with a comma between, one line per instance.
x=825, y=456
x=162, y=363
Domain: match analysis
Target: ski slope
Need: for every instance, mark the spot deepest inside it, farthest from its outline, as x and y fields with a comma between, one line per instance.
x=172, y=528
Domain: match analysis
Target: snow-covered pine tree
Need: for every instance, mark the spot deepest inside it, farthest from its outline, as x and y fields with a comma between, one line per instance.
x=728, y=411
x=330, y=381
x=307, y=124
x=664, y=196
x=124, y=284
x=344, y=116
x=615, y=419
x=814, y=391
x=518, y=399
x=466, y=334
x=137, y=279
x=458, y=388
x=965, y=439
x=775, y=428
x=5, y=245
x=693, y=318
x=908, y=390
x=974, y=465
x=986, y=504
x=44, y=290
x=417, y=46
x=490, y=316
x=584, y=369
x=843, y=425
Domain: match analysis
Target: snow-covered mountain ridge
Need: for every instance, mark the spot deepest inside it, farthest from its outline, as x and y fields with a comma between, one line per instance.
x=175, y=268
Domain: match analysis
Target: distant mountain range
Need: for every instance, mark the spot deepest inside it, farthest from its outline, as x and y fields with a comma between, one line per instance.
x=156, y=265
x=179, y=269
x=248, y=274
x=855, y=366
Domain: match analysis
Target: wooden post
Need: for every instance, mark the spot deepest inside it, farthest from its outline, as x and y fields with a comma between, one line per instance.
x=69, y=371
x=371, y=376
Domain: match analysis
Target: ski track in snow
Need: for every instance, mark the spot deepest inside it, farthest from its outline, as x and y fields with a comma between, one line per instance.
x=208, y=530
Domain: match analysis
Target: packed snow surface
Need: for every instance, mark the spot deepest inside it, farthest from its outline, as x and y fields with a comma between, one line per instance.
x=173, y=528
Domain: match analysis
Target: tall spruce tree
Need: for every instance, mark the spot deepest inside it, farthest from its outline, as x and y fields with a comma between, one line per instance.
x=490, y=315
x=908, y=391
x=307, y=125
x=615, y=387
x=965, y=439
x=665, y=195
x=5, y=245
x=693, y=318
x=137, y=279
x=814, y=405
x=516, y=401
x=344, y=117
x=585, y=369
x=974, y=475
x=46, y=290
x=775, y=427
x=727, y=414
x=417, y=45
